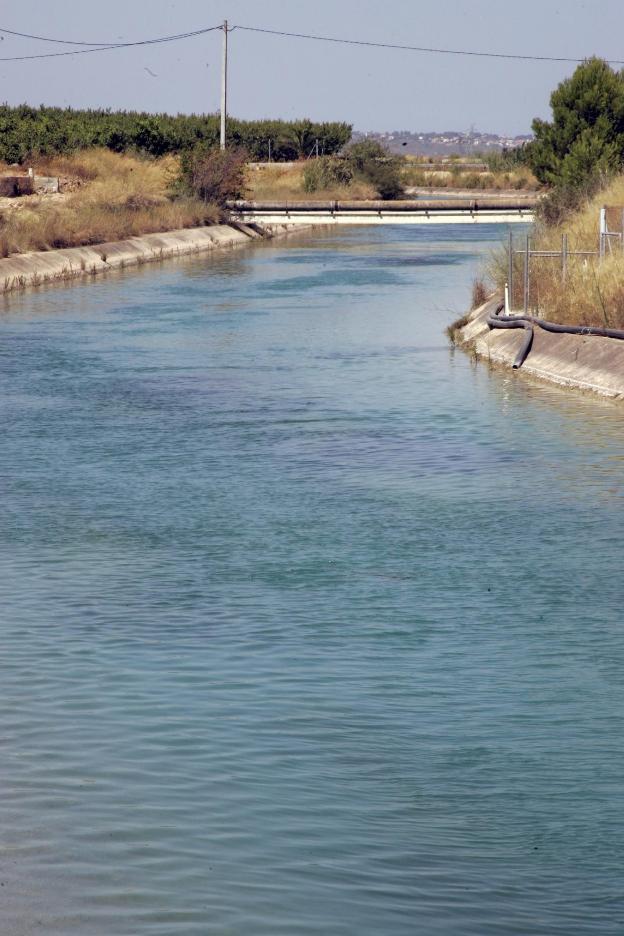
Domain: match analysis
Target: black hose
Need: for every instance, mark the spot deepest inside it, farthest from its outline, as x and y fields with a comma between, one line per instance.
x=507, y=321
x=496, y=320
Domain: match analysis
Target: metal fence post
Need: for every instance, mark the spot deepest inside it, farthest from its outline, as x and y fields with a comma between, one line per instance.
x=564, y=257
x=603, y=231
x=510, y=274
x=526, y=274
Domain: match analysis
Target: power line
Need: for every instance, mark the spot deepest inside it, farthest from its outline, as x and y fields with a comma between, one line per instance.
x=23, y=35
x=99, y=46
x=410, y=48
x=48, y=55
x=115, y=45
x=108, y=46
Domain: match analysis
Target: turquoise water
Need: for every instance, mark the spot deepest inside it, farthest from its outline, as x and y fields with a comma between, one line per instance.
x=309, y=625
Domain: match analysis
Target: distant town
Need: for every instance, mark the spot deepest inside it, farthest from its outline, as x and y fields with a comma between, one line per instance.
x=435, y=144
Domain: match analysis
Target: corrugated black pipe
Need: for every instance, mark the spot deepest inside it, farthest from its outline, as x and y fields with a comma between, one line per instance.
x=496, y=320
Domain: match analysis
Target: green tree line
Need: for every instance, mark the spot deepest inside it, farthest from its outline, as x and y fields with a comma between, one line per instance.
x=29, y=131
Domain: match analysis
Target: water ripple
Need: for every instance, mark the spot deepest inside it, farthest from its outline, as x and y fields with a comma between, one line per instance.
x=309, y=626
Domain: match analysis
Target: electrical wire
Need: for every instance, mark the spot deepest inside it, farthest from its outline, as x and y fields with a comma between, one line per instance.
x=107, y=46
x=48, y=55
x=23, y=35
x=116, y=45
x=98, y=47
x=410, y=48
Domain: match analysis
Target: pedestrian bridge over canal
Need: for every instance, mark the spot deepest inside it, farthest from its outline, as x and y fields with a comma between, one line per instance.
x=488, y=210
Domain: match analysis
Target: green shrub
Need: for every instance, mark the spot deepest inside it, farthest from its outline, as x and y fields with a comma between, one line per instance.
x=385, y=178
x=373, y=163
x=362, y=154
x=507, y=159
x=564, y=200
x=214, y=175
x=326, y=172
x=586, y=134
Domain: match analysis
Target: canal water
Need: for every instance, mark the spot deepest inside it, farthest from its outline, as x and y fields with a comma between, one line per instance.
x=309, y=625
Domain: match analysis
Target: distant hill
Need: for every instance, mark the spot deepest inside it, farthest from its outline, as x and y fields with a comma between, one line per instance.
x=409, y=142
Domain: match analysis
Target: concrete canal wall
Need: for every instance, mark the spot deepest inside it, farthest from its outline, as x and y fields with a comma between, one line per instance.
x=584, y=362
x=49, y=266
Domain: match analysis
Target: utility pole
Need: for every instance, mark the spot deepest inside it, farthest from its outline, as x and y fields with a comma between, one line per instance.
x=224, y=83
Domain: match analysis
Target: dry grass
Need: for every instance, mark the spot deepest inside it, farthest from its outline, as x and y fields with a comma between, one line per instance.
x=593, y=292
x=417, y=175
x=592, y=295
x=285, y=183
x=119, y=196
x=480, y=293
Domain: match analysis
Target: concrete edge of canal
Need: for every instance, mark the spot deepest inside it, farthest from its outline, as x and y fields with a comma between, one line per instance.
x=582, y=362
x=55, y=266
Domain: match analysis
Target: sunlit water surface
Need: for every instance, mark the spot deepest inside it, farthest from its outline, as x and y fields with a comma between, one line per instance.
x=309, y=624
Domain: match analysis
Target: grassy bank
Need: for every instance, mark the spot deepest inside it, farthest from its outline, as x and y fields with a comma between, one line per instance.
x=286, y=181
x=593, y=291
x=275, y=181
x=418, y=172
x=105, y=196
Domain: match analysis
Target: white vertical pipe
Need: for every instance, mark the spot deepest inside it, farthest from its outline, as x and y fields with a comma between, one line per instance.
x=224, y=83
x=603, y=231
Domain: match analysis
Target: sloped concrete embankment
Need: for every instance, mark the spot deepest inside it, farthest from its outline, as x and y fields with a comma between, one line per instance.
x=585, y=362
x=49, y=266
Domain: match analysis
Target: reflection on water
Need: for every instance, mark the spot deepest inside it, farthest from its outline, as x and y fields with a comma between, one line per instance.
x=310, y=625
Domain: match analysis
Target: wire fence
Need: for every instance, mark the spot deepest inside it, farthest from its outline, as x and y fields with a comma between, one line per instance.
x=611, y=229
x=521, y=262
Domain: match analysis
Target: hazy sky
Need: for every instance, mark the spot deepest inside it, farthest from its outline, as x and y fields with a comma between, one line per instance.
x=274, y=77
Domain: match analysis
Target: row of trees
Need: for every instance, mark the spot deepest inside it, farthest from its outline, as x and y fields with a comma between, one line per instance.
x=28, y=131
x=582, y=143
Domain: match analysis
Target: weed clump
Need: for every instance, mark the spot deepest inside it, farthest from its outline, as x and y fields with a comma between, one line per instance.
x=213, y=175
x=479, y=293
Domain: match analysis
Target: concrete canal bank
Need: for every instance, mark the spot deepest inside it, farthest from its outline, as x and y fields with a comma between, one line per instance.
x=49, y=266
x=583, y=362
